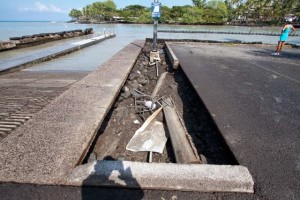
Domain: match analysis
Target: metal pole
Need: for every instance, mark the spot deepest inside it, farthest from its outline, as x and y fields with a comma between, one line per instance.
x=154, y=48
x=155, y=35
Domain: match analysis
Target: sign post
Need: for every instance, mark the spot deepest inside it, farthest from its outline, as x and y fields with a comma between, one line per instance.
x=156, y=13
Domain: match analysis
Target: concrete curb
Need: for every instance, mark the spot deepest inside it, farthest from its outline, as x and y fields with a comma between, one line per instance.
x=54, y=141
x=13, y=65
x=172, y=57
x=163, y=176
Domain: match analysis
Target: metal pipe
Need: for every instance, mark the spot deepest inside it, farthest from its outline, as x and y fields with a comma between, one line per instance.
x=154, y=48
x=155, y=35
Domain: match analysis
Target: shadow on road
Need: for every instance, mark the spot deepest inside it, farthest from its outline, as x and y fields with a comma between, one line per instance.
x=113, y=176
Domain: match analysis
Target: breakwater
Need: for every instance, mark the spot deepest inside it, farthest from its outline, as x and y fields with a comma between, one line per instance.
x=41, y=38
x=223, y=32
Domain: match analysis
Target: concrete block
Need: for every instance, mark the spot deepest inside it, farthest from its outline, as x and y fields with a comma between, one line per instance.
x=172, y=57
x=163, y=176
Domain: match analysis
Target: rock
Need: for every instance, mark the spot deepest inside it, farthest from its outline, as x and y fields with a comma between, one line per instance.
x=120, y=99
x=134, y=85
x=121, y=158
x=116, y=105
x=126, y=94
x=36, y=39
x=143, y=81
x=132, y=116
x=134, y=93
x=7, y=45
x=140, y=88
x=88, y=31
x=125, y=89
x=92, y=157
x=152, y=77
x=132, y=76
x=15, y=38
x=173, y=86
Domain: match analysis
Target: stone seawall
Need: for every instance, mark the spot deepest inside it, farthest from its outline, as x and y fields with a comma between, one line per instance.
x=41, y=38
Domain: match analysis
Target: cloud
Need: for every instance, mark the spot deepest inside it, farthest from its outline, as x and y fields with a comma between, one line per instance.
x=39, y=7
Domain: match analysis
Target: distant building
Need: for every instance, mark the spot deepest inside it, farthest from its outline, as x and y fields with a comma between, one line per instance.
x=118, y=19
x=291, y=18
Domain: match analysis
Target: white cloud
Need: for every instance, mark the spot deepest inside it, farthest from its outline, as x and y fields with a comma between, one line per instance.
x=39, y=7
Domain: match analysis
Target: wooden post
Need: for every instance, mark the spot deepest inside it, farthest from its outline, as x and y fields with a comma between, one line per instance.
x=159, y=84
x=182, y=148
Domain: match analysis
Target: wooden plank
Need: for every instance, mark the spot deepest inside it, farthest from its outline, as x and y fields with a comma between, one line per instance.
x=182, y=148
x=159, y=84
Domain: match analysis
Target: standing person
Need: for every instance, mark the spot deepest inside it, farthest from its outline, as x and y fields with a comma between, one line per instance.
x=284, y=36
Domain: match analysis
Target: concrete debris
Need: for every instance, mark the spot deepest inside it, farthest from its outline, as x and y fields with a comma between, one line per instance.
x=150, y=104
x=136, y=121
x=152, y=139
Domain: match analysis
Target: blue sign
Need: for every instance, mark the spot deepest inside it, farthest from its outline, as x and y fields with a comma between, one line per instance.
x=156, y=9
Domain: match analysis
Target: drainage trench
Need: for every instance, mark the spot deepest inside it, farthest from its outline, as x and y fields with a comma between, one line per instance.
x=127, y=115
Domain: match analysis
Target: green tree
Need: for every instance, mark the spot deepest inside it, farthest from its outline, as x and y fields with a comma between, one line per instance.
x=219, y=9
x=193, y=15
x=230, y=4
x=267, y=10
x=145, y=17
x=75, y=14
x=135, y=10
x=176, y=13
x=166, y=15
x=199, y=3
x=283, y=7
x=99, y=11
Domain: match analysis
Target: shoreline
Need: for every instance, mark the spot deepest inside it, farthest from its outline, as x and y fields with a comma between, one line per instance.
x=181, y=24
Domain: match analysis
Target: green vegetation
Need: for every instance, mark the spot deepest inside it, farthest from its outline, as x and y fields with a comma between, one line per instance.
x=202, y=12
x=75, y=14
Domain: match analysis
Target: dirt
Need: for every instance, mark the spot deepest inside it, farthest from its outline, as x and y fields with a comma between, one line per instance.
x=126, y=116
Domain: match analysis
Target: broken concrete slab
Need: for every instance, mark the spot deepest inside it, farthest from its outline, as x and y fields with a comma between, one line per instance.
x=15, y=64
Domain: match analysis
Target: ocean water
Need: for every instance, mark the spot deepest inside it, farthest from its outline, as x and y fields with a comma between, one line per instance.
x=90, y=58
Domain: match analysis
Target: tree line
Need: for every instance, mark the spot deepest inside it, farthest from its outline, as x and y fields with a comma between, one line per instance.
x=201, y=12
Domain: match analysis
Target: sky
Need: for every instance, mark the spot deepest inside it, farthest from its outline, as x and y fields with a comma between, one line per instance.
x=58, y=10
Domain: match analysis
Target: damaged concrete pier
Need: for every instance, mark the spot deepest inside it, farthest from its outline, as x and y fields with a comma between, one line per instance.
x=23, y=61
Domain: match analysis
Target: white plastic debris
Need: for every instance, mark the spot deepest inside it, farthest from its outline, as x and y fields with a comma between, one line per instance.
x=150, y=104
x=136, y=121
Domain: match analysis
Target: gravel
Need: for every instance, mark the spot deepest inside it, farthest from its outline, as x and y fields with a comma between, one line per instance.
x=121, y=121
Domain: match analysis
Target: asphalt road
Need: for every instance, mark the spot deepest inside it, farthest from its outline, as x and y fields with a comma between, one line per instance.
x=254, y=99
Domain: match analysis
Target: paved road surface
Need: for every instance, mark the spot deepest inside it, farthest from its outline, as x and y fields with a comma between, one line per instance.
x=254, y=99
